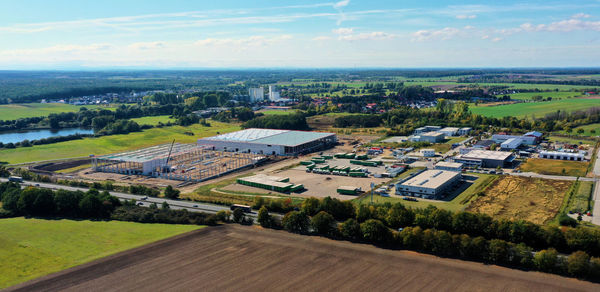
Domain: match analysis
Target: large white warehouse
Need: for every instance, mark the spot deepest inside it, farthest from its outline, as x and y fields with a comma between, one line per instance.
x=270, y=142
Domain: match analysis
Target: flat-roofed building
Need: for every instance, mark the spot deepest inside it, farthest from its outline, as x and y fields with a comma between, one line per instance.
x=511, y=144
x=430, y=183
x=426, y=129
x=486, y=158
x=449, y=131
x=449, y=166
x=527, y=140
x=433, y=137
x=464, y=131
x=270, y=141
x=562, y=155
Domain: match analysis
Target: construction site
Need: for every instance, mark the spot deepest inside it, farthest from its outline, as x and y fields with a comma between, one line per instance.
x=175, y=161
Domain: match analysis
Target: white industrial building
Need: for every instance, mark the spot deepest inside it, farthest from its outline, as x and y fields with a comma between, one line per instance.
x=430, y=183
x=527, y=140
x=271, y=142
x=432, y=137
x=464, y=131
x=486, y=158
x=511, y=144
x=562, y=155
x=449, y=166
x=449, y=131
x=426, y=129
x=256, y=94
x=273, y=94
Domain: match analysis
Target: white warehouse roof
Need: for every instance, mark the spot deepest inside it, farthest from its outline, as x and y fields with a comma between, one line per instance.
x=431, y=179
x=270, y=136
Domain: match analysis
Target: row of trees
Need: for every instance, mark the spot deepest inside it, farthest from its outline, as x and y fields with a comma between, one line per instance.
x=295, y=121
x=440, y=242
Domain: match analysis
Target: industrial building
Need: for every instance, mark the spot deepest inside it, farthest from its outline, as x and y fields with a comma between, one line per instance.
x=256, y=94
x=449, y=166
x=426, y=129
x=464, y=131
x=511, y=144
x=449, y=131
x=486, y=158
x=527, y=140
x=562, y=155
x=272, y=183
x=185, y=162
x=270, y=142
x=432, y=137
x=430, y=183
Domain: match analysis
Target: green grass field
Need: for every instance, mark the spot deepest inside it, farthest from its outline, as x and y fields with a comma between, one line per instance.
x=113, y=143
x=153, y=121
x=587, y=130
x=538, y=109
x=580, y=202
x=31, y=248
x=278, y=112
x=573, y=140
x=458, y=203
x=555, y=167
x=553, y=94
x=28, y=110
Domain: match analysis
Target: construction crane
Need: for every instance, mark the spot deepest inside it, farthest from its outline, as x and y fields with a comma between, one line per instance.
x=166, y=168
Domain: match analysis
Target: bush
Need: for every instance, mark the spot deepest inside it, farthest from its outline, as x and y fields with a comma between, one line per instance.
x=350, y=230
x=264, y=219
x=374, y=231
x=296, y=222
x=323, y=223
x=578, y=264
x=565, y=220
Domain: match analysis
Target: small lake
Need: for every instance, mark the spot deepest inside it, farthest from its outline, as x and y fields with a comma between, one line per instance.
x=18, y=136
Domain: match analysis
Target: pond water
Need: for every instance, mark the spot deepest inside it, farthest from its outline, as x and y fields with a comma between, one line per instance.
x=19, y=136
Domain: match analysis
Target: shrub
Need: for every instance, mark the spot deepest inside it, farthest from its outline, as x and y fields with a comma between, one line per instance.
x=296, y=222
x=374, y=231
x=323, y=223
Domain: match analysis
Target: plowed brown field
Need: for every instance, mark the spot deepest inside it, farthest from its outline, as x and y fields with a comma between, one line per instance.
x=236, y=258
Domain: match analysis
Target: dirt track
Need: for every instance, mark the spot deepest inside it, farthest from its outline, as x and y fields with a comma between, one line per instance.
x=236, y=258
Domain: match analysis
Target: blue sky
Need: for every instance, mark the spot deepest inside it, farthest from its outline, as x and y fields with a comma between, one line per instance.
x=63, y=34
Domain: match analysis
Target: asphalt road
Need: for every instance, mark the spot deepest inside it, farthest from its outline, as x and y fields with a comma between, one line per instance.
x=596, y=211
x=174, y=204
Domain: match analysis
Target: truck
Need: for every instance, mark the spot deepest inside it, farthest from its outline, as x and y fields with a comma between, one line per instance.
x=348, y=190
x=17, y=179
x=244, y=208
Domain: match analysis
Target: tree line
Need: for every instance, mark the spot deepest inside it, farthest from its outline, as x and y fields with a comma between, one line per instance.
x=519, y=244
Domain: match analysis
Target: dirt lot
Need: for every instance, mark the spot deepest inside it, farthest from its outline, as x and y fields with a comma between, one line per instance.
x=236, y=258
x=317, y=185
x=532, y=199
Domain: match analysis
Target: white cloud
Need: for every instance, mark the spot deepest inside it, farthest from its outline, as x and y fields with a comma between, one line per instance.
x=147, y=45
x=321, y=38
x=375, y=35
x=581, y=15
x=496, y=39
x=562, y=26
x=440, y=34
x=341, y=4
x=252, y=41
x=465, y=16
x=343, y=30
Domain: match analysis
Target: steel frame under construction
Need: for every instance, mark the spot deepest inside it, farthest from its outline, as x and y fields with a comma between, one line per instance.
x=175, y=161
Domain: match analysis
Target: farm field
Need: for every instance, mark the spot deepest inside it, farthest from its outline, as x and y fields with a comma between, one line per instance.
x=553, y=94
x=514, y=198
x=30, y=248
x=235, y=258
x=573, y=140
x=538, y=109
x=113, y=143
x=28, y=110
x=581, y=200
x=153, y=121
x=555, y=167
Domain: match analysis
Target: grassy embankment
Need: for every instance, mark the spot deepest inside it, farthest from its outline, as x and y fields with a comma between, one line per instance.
x=555, y=167
x=28, y=110
x=31, y=248
x=113, y=143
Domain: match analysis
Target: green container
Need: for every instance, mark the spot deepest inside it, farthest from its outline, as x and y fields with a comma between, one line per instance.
x=357, y=174
x=306, y=162
x=350, y=155
x=362, y=157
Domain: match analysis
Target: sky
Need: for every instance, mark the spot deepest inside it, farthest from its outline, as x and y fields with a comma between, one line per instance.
x=193, y=34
